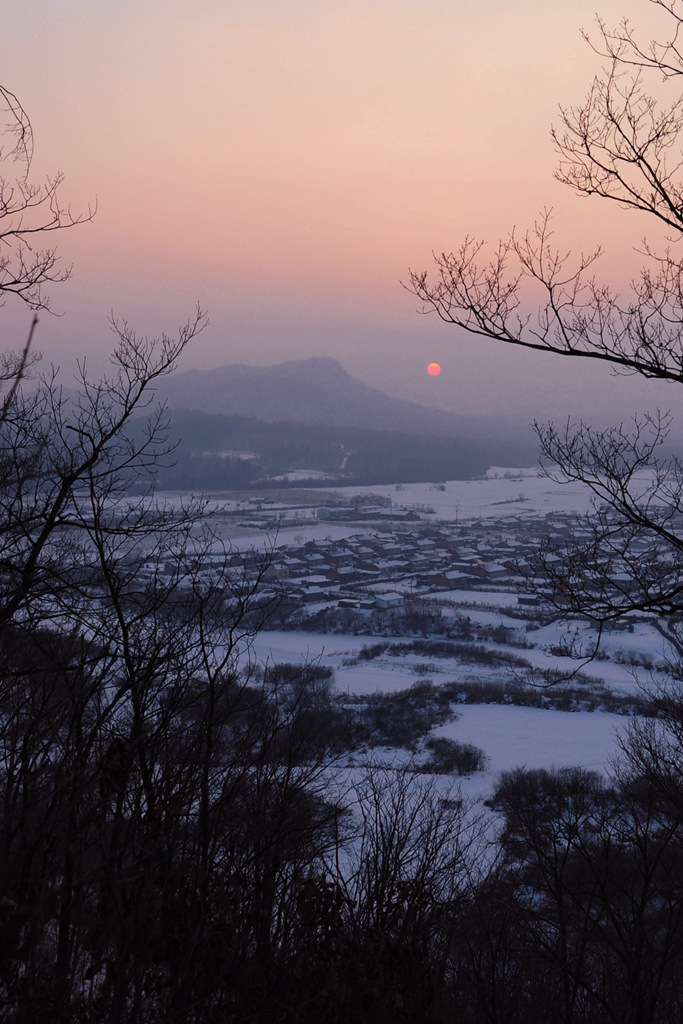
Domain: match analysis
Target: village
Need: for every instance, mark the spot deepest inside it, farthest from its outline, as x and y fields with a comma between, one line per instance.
x=376, y=552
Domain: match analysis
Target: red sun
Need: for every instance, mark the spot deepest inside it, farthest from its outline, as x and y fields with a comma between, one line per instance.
x=434, y=369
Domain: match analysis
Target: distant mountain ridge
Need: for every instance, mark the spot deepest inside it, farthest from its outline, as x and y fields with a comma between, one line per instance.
x=249, y=426
x=318, y=391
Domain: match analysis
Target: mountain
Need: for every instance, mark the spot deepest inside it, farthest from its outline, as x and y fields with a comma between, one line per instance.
x=319, y=391
x=249, y=426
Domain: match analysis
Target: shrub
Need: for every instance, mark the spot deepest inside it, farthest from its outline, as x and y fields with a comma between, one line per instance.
x=449, y=756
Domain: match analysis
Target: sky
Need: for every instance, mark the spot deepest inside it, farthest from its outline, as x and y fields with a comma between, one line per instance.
x=285, y=162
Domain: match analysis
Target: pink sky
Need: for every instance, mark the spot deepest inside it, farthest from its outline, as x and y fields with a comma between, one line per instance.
x=285, y=161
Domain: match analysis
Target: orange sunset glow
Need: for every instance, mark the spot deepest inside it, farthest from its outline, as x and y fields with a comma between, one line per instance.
x=285, y=164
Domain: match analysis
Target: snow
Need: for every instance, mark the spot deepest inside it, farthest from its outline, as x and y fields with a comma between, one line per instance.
x=376, y=677
x=466, y=599
x=509, y=735
x=645, y=640
x=536, y=737
x=524, y=493
x=389, y=672
x=504, y=492
x=533, y=738
x=304, y=474
x=283, y=646
x=244, y=538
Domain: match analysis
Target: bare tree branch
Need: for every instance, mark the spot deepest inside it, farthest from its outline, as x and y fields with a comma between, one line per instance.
x=28, y=212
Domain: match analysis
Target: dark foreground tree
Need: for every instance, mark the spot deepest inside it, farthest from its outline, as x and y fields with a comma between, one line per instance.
x=173, y=846
x=157, y=802
x=624, y=144
x=592, y=873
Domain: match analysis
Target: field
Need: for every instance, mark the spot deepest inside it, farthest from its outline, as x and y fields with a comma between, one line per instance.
x=515, y=687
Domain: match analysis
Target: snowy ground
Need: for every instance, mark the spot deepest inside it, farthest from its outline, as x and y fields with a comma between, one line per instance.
x=533, y=738
x=504, y=492
x=523, y=492
x=508, y=734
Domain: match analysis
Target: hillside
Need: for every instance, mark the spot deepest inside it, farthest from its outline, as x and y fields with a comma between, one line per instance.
x=248, y=426
x=224, y=452
x=319, y=391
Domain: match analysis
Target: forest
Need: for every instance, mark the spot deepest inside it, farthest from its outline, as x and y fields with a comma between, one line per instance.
x=238, y=452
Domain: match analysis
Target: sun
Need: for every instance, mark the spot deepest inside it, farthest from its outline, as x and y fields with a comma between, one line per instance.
x=434, y=369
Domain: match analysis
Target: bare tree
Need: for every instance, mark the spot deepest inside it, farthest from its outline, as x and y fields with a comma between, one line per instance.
x=623, y=144
x=28, y=212
x=160, y=805
x=145, y=778
x=594, y=873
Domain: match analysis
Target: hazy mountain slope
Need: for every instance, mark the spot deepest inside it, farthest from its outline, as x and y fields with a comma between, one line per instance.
x=224, y=452
x=319, y=391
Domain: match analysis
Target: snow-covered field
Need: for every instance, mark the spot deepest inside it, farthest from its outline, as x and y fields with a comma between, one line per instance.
x=504, y=492
x=520, y=492
x=533, y=738
x=509, y=735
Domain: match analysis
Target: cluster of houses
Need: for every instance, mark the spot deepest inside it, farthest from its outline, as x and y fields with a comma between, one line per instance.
x=379, y=566
x=381, y=556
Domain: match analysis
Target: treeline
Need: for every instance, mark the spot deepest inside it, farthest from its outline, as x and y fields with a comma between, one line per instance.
x=187, y=851
x=212, y=447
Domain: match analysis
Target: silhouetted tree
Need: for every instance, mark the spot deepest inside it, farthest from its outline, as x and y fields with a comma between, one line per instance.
x=592, y=870
x=157, y=803
x=28, y=213
x=621, y=144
